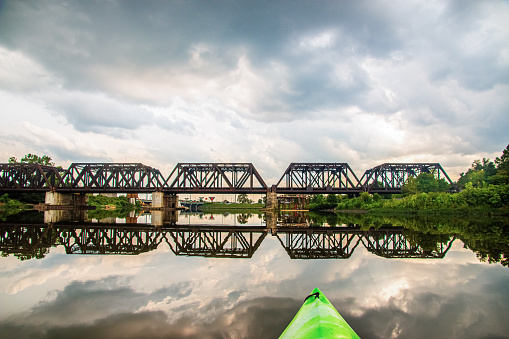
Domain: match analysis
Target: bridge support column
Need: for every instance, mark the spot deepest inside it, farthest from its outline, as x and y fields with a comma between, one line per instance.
x=271, y=203
x=160, y=200
x=65, y=199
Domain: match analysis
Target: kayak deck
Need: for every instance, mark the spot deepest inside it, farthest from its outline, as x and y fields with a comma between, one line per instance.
x=317, y=318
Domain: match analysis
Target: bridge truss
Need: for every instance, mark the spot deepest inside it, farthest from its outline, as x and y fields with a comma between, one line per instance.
x=112, y=177
x=29, y=177
x=318, y=178
x=215, y=178
x=390, y=177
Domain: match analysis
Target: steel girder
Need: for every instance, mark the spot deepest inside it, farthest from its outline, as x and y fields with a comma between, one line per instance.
x=318, y=178
x=215, y=178
x=112, y=177
x=390, y=177
x=29, y=177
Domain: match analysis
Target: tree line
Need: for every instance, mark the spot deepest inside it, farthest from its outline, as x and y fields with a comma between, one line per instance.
x=485, y=185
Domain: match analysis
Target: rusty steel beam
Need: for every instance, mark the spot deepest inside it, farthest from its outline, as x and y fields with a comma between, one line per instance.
x=390, y=177
x=318, y=178
x=215, y=178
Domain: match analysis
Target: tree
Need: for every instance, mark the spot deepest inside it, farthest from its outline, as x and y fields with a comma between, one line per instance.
x=33, y=159
x=243, y=199
x=332, y=199
x=410, y=186
x=424, y=183
x=478, y=173
x=502, y=174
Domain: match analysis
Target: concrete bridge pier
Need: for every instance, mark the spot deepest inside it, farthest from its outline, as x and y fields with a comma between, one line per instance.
x=271, y=202
x=160, y=200
x=65, y=199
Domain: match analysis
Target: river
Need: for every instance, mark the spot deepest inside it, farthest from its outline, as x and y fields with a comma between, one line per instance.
x=233, y=276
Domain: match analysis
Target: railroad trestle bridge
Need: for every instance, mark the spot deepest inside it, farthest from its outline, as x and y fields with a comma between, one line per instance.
x=206, y=178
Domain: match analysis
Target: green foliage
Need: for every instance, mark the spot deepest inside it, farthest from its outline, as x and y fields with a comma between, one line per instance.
x=33, y=159
x=243, y=199
x=502, y=174
x=319, y=202
x=119, y=202
x=332, y=199
x=424, y=182
x=7, y=203
x=489, y=196
x=410, y=186
x=479, y=173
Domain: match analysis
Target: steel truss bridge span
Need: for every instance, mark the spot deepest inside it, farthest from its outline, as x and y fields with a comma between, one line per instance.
x=390, y=177
x=211, y=178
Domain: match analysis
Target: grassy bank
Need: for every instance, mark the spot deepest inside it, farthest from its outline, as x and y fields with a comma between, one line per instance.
x=490, y=199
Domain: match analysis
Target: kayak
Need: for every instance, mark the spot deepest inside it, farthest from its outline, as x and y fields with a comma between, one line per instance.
x=317, y=318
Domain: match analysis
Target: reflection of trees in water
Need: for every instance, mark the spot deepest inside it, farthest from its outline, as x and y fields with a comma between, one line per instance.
x=491, y=244
x=243, y=218
x=428, y=242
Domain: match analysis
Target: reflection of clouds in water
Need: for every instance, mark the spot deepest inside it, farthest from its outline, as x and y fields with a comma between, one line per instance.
x=435, y=315
x=194, y=297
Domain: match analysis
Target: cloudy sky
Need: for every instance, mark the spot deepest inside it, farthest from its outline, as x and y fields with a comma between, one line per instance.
x=267, y=82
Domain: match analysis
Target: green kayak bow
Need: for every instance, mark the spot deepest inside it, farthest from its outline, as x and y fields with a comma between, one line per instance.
x=317, y=318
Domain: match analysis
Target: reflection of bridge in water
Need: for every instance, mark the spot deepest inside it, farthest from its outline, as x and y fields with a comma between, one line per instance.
x=29, y=241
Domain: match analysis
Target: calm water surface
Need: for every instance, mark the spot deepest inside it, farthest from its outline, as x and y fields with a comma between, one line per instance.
x=229, y=276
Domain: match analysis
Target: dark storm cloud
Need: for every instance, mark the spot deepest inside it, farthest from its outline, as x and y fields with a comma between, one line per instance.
x=421, y=78
x=75, y=40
